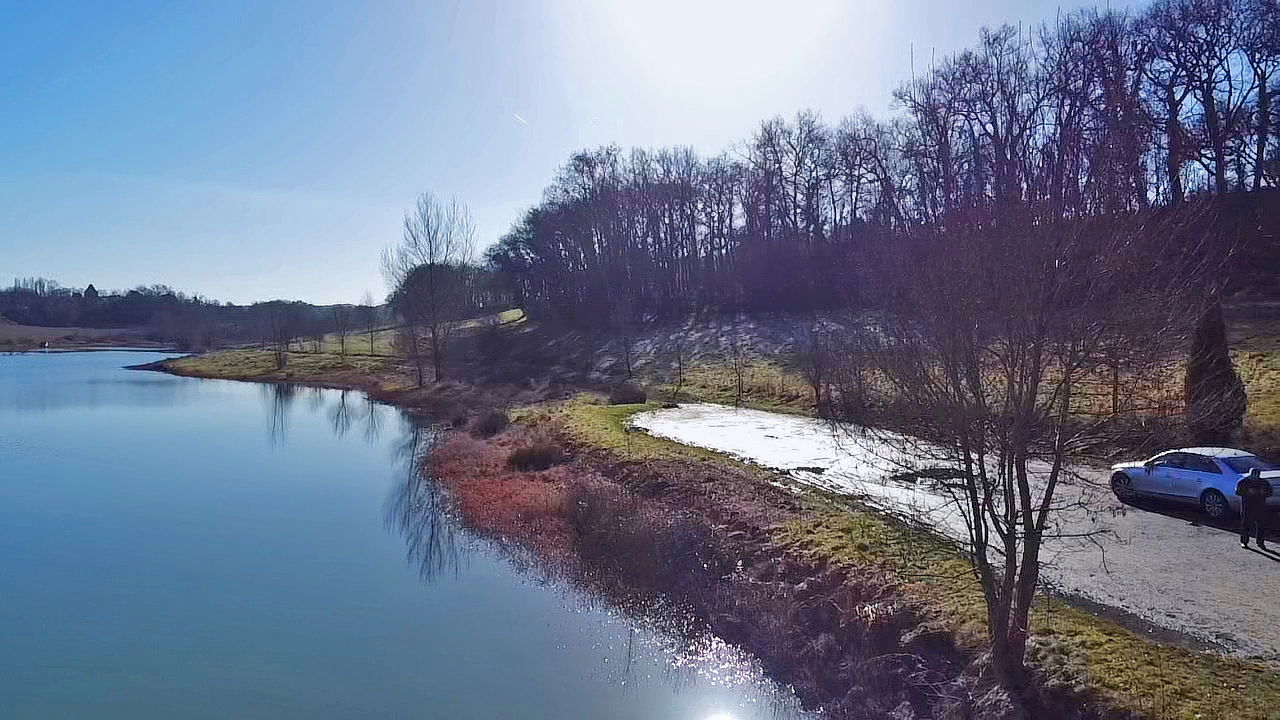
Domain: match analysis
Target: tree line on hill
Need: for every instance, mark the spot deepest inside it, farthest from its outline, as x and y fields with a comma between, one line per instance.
x=1098, y=113
x=190, y=322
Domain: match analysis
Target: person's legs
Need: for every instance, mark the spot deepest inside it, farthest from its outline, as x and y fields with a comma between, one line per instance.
x=1259, y=528
x=1244, y=530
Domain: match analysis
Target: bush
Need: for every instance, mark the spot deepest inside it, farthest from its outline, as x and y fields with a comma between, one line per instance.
x=491, y=423
x=627, y=394
x=459, y=420
x=541, y=455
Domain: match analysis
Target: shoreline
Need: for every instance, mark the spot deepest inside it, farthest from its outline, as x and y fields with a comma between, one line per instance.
x=490, y=497
x=443, y=401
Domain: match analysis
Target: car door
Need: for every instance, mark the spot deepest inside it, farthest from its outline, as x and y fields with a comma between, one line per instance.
x=1160, y=478
x=1195, y=475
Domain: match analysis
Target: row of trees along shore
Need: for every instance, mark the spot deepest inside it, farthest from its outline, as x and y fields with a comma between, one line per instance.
x=1025, y=246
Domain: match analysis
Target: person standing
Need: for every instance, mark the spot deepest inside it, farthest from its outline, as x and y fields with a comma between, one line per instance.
x=1253, y=492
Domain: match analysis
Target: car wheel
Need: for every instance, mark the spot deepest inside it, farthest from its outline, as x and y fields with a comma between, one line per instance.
x=1214, y=504
x=1122, y=486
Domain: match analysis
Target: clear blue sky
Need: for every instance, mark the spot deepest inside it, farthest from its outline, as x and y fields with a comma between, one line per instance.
x=255, y=150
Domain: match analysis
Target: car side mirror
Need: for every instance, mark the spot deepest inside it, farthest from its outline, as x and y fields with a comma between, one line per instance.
x=1148, y=466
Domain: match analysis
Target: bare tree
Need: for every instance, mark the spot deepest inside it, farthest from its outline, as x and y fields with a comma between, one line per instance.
x=283, y=323
x=342, y=327
x=1261, y=46
x=428, y=274
x=740, y=362
x=368, y=312
x=679, y=352
x=816, y=362
x=624, y=326
x=991, y=365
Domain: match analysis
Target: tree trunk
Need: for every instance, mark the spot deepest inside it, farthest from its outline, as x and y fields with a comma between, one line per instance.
x=415, y=347
x=1008, y=648
x=1264, y=129
x=1115, y=389
x=1217, y=138
x=1173, y=132
x=437, y=361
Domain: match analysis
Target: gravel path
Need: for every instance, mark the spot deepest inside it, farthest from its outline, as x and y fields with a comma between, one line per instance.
x=1157, y=563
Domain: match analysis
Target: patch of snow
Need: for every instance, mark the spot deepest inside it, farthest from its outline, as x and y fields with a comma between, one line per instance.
x=851, y=462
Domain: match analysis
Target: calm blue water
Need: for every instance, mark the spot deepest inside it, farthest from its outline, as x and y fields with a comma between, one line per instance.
x=178, y=548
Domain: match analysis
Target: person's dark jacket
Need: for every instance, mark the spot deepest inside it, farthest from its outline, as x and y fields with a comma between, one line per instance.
x=1253, y=494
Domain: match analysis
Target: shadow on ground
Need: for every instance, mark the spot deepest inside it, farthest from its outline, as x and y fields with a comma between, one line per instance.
x=1192, y=516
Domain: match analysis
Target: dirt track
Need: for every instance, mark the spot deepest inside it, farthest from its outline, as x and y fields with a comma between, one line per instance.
x=1159, y=563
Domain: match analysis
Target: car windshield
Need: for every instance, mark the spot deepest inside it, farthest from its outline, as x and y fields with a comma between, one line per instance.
x=1245, y=463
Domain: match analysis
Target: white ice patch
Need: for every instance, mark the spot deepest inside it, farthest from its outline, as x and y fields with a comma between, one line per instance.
x=837, y=458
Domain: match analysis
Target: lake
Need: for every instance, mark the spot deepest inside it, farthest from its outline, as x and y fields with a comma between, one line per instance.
x=181, y=548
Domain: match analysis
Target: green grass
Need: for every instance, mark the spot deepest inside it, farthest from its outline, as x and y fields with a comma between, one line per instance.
x=358, y=343
x=592, y=422
x=384, y=344
x=506, y=317
x=1132, y=672
x=1081, y=650
x=767, y=385
x=246, y=364
x=313, y=366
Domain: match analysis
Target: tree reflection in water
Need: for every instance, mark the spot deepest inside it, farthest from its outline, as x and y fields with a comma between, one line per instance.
x=343, y=413
x=341, y=416
x=417, y=508
x=279, y=398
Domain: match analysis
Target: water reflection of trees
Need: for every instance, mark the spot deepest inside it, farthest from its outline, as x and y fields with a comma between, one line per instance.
x=344, y=413
x=417, y=508
x=279, y=398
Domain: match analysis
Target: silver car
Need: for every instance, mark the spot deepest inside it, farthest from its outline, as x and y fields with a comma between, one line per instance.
x=1203, y=475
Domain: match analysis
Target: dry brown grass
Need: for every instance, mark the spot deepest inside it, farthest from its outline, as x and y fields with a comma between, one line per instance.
x=500, y=501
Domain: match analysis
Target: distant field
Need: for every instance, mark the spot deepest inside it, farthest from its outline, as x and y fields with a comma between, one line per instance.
x=383, y=337
x=16, y=337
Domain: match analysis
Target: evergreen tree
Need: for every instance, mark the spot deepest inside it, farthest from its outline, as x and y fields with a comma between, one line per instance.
x=1215, y=395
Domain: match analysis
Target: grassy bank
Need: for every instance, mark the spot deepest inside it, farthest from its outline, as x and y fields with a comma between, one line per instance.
x=1071, y=646
x=327, y=369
